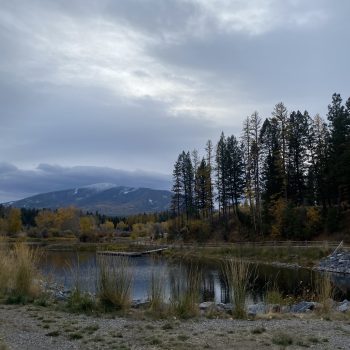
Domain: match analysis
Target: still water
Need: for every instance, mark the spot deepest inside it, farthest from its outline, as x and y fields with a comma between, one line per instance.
x=66, y=268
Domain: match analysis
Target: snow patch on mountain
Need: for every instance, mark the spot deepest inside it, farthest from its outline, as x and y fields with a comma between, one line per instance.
x=100, y=187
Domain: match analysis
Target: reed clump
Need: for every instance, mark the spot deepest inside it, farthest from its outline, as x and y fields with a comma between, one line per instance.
x=19, y=273
x=185, y=291
x=324, y=292
x=237, y=273
x=114, y=282
x=156, y=294
x=79, y=300
x=6, y=267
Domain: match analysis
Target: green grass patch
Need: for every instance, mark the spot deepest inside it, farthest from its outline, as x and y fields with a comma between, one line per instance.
x=53, y=334
x=282, y=339
x=75, y=336
x=258, y=330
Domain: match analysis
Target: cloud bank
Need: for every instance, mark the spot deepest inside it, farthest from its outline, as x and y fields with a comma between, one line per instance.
x=129, y=84
x=18, y=183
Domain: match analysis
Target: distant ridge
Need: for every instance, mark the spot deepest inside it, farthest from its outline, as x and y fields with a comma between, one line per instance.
x=106, y=198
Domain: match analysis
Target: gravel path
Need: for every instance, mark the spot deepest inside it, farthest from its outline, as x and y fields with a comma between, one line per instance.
x=36, y=328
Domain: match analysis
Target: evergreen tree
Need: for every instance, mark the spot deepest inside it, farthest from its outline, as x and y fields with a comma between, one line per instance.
x=297, y=145
x=318, y=143
x=280, y=113
x=235, y=171
x=339, y=118
x=255, y=153
x=248, y=167
x=188, y=184
x=221, y=175
x=202, y=180
x=195, y=163
x=272, y=168
x=177, y=199
x=210, y=191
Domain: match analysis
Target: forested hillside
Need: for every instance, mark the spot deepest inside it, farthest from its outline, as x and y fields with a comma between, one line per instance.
x=285, y=176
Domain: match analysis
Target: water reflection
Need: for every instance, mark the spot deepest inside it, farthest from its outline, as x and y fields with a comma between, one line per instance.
x=66, y=268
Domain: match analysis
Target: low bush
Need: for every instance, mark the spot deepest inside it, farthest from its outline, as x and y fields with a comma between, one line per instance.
x=81, y=302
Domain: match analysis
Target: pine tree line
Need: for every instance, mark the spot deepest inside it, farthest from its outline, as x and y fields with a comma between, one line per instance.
x=289, y=160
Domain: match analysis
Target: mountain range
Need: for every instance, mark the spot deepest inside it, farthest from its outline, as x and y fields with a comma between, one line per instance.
x=106, y=198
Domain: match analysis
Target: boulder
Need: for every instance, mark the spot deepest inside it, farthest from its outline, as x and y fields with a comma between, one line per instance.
x=344, y=306
x=256, y=309
x=303, y=306
x=224, y=307
x=206, y=305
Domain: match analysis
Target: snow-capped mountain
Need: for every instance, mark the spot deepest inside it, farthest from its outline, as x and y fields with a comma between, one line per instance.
x=106, y=198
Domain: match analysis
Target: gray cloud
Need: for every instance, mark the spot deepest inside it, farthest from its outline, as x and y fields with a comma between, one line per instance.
x=129, y=84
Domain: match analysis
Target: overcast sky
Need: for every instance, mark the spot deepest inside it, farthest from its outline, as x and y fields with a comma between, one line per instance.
x=88, y=86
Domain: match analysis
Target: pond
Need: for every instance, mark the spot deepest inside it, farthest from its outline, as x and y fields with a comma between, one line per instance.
x=66, y=268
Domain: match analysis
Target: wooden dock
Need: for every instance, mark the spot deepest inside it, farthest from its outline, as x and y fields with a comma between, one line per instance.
x=131, y=254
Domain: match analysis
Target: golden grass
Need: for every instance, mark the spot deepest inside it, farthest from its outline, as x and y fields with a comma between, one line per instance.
x=6, y=267
x=19, y=274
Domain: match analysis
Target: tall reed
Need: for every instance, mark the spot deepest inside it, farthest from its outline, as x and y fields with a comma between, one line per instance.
x=185, y=290
x=324, y=292
x=26, y=273
x=19, y=273
x=114, y=283
x=237, y=274
x=156, y=292
x=6, y=269
x=79, y=300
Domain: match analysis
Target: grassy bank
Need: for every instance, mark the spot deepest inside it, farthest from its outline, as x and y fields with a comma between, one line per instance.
x=301, y=255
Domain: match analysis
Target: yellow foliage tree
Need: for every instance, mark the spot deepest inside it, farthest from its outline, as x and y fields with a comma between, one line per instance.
x=14, y=221
x=46, y=220
x=68, y=219
x=86, y=225
x=277, y=212
x=107, y=227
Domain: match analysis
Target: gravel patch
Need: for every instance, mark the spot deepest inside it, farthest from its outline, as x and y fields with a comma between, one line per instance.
x=36, y=328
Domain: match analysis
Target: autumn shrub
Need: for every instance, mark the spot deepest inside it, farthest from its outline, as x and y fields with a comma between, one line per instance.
x=273, y=294
x=313, y=222
x=198, y=230
x=277, y=213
